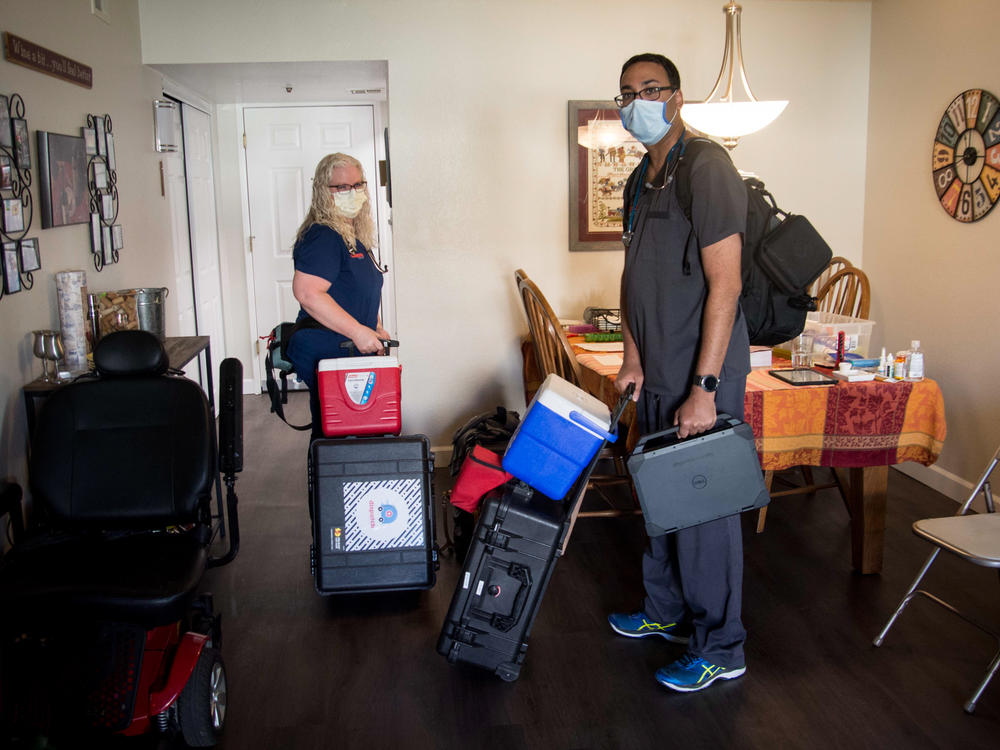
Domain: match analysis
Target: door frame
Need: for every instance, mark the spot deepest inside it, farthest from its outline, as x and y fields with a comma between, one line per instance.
x=252, y=385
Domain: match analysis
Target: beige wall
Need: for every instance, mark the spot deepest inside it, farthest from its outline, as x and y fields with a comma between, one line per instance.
x=934, y=279
x=477, y=108
x=124, y=89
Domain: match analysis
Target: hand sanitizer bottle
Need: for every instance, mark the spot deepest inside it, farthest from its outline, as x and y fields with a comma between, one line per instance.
x=915, y=362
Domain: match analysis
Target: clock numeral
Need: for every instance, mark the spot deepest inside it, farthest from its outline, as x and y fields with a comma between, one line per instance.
x=991, y=180
x=956, y=111
x=972, y=99
x=950, y=198
x=987, y=109
x=947, y=133
x=981, y=201
x=992, y=136
x=943, y=178
x=943, y=156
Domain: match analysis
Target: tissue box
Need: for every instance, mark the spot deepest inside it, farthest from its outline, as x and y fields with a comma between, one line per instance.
x=562, y=429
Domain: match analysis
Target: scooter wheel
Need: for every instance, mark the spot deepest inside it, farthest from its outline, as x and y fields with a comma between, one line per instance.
x=201, y=706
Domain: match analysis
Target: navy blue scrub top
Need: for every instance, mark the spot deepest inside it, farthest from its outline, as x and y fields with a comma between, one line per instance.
x=355, y=285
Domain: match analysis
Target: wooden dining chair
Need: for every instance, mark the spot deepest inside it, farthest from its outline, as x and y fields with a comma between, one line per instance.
x=837, y=263
x=554, y=354
x=846, y=292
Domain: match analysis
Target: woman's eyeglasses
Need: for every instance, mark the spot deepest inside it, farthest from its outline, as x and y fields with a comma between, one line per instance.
x=344, y=188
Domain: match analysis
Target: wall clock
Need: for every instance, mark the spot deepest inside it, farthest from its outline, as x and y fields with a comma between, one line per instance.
x=965, y=162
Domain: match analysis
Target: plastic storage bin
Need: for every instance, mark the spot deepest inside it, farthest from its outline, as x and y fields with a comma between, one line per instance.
x=824, y=326
x=360, y=396
x=562, y=429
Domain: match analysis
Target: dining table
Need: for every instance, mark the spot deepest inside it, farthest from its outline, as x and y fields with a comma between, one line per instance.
x=859, y=429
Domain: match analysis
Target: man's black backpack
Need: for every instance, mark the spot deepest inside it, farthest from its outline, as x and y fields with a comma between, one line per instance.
x=782, y=254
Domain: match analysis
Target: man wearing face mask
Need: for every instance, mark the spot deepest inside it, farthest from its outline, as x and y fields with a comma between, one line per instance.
x=687, y=351
x=337, y=281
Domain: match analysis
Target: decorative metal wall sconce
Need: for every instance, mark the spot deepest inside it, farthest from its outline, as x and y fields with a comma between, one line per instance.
x=164, y=125
x=102, y=181
x=18, y=256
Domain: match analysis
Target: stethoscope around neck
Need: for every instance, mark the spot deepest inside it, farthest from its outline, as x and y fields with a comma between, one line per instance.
x=673, y=159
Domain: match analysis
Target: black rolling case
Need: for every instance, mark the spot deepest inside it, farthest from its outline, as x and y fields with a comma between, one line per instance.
x=373, y=514
x=520, y=535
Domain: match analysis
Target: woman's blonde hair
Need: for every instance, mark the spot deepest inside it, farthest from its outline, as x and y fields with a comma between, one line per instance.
x=361, y=227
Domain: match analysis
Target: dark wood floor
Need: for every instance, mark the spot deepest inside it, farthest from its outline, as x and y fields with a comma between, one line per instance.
x=313, y=672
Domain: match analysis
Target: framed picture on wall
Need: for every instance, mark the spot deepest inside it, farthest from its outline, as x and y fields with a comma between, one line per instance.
x=11, y=270
x=89, y=140
x=602, y=154
x=95, y=234
x=13, y=215
x=31, y=260
x=5, y=131
x=62, y=174
x=6, y=175
x=117, y=239
x=106, y=245
x=22, y=149
x=102, y=148
x=107, y=207
x=109, y=139
x=100, y=175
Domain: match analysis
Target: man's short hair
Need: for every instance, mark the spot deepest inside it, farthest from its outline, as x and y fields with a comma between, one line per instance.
x=651, y=57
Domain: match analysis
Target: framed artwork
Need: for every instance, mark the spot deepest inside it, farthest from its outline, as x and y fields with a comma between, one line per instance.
x=22, y=149
x=102, y=148
x=602, y=154
x=89, y=140
x=117, y=239
x=13, y=215
x=30, y=258
x=106, y=246
x=107, y=207
x=100, y=175
x=62, y=172
x=6, y=175
x=109, y=140
x=11, y=269
x=95, y=234
x=5, y=131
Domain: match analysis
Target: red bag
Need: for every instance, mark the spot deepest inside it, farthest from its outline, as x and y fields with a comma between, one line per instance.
x=481, y=472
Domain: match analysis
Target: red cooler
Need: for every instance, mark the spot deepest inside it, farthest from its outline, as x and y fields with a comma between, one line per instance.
x=360, y=396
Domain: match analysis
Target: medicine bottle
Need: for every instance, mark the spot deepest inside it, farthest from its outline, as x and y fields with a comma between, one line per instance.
x=915, y=362
x=899, y=366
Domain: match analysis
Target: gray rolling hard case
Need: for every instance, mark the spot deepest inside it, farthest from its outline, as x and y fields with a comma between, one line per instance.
x=682, y=483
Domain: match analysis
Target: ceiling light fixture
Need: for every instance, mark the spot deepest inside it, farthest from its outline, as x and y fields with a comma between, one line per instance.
x=722, y=114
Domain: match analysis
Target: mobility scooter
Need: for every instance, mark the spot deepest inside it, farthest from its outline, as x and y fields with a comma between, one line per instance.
x=103, y=627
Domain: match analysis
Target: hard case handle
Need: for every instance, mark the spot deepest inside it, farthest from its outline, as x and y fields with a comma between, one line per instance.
x=669, y=436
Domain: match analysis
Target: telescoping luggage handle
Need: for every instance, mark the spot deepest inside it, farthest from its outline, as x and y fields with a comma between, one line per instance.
x=668, y=437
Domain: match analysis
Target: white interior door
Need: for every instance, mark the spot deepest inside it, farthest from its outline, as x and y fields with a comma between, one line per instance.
x=283, y=147
x=203, y=232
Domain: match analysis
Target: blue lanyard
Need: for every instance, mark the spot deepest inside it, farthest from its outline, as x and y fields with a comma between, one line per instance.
x=642, y=174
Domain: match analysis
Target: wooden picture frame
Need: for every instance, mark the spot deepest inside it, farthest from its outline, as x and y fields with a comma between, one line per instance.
x=597, y=175
x=62, y=173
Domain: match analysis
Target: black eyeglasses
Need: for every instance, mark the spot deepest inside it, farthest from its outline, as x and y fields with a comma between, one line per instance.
x=344, y=188
x=651, y=94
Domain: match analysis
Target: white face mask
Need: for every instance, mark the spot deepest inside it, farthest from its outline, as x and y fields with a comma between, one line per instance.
x=349, y=203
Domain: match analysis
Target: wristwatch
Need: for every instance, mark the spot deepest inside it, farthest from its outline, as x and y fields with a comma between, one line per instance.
x=709, y=382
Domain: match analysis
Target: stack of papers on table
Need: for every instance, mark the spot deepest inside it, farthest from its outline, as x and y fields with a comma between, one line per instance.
x=760, y=356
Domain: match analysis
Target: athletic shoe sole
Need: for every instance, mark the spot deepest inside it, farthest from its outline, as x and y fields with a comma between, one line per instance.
x=682, y=639
x=730, y=674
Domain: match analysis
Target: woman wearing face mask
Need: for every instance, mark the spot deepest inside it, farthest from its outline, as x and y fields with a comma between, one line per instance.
x=336, y=281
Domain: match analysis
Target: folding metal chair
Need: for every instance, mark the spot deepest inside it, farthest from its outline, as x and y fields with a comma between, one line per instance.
x=975, y=538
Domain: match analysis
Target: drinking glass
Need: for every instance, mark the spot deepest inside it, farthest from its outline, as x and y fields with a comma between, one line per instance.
x=802, y=350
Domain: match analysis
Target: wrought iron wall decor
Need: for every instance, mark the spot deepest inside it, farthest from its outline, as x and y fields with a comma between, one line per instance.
x=102, y=181
x=19, y=255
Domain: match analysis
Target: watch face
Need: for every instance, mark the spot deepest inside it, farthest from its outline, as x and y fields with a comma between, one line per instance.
x=709, y=382
x=965, y=161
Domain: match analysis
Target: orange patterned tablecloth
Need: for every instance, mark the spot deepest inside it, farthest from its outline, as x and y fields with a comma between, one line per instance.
x=847, y=425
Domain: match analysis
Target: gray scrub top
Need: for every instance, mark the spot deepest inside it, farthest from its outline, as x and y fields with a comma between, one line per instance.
x=664, y=305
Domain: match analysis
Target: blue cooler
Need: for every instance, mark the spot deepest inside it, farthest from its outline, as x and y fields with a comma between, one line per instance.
x=561, y=431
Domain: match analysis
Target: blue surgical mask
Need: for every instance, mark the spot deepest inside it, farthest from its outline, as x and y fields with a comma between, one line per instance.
x=647, y=121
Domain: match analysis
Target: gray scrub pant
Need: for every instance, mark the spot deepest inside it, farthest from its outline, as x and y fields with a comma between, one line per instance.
x=695, y=575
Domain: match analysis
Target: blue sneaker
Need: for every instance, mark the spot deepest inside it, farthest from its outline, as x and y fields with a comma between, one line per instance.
x=640, y=625
x=691, y=673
